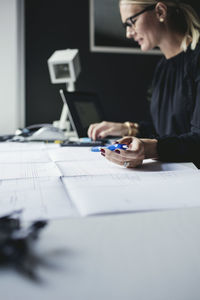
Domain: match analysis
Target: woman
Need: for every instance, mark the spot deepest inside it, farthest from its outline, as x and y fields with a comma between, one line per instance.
x=174, y=134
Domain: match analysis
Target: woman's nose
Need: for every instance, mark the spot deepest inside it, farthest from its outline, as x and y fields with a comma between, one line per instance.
x=130, y=31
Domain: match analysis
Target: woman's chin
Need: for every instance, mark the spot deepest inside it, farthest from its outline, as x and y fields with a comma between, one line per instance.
x=145, y=48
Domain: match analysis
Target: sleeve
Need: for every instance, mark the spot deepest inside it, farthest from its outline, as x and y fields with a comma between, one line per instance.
x=185, y=147
x=146, y=130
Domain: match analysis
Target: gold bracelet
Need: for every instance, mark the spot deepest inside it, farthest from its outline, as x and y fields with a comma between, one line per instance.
x=130, y=126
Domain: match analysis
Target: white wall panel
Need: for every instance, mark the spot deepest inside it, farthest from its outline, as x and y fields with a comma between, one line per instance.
x=11, y=65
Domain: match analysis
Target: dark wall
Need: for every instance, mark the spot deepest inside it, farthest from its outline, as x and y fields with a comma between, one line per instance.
x=121, y=80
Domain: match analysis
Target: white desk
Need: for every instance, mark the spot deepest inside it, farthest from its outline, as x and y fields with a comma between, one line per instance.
x=147, y=256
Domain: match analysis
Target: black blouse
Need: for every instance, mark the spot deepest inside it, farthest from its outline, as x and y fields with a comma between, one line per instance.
x=175, y=107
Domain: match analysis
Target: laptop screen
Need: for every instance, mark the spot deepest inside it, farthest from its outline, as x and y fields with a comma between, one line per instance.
x=87, y=112
x=84, y=109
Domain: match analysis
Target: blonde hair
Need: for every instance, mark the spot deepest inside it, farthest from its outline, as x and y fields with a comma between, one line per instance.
x=190, y=22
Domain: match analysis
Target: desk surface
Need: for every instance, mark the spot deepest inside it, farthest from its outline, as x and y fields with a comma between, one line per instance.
x=154, y=256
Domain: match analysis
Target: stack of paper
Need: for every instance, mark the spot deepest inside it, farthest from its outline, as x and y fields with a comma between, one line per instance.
x=48, y=182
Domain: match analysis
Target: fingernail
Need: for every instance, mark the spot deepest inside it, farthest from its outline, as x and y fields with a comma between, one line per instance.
x=102, y=150
x=117, y=151
x=102, y=154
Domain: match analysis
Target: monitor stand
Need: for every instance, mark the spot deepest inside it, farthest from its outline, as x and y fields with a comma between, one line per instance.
x=66, y=123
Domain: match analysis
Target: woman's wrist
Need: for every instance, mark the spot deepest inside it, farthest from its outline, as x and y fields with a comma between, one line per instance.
x=130, y=128
x=150, y=148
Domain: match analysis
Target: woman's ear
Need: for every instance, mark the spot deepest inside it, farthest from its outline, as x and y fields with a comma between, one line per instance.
x=161, y=11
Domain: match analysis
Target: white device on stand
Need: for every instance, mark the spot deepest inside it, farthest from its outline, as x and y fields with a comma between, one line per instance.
x=64, y=67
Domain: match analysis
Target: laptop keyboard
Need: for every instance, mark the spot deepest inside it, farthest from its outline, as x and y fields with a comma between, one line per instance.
x=102, y=142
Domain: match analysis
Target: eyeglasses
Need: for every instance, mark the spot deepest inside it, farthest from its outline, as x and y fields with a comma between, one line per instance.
x=131, y=20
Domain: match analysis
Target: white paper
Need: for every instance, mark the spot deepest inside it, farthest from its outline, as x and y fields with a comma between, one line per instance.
x=134, y=192
x=37, y=156
x=16, y=146
x=104, y=167
x=39, y=198
x=74, y=154
x=51, y=146
x=36, y=170
x=30, y=179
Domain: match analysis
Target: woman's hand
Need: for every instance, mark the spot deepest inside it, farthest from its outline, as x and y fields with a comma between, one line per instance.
x=138, y=149
x=103, y=129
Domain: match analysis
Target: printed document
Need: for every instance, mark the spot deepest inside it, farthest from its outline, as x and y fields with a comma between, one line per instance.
x=134, y=192
x=16, y=146
x=28, y=170
x=49, y=181
x=104, y=167
x=37, y=156
x=74, y=154
x=37, y=198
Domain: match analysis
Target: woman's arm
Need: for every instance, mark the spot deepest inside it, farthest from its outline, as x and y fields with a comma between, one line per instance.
x=184, y=147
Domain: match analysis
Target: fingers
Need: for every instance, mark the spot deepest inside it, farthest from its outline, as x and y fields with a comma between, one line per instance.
x=104, y=129
x=112, y=156
x=125, y=140
x=90, y=129
x=95, y=130
x=131, y=164
x=107, y=132
x=129, y=159
x=134, y=145
x=123, y=155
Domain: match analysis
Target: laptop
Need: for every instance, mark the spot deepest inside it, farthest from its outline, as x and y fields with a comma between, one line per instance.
x=84, y=109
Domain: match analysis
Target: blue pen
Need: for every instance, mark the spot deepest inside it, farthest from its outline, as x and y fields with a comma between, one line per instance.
x=110, y=147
